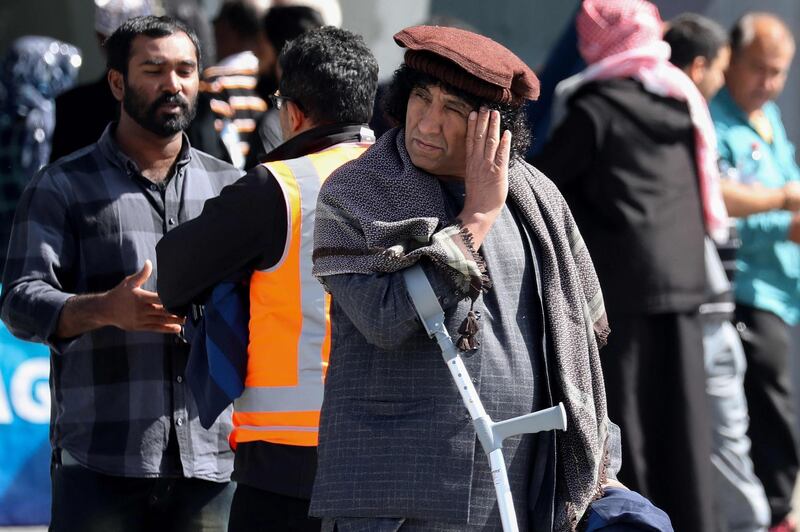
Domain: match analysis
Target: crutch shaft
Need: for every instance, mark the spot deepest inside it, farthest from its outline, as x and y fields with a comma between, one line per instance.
x=505, y=501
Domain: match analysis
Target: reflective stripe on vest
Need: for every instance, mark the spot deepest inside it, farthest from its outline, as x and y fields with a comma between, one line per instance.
x=290, y=318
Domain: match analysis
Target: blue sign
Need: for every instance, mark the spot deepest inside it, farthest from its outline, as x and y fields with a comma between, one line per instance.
x=24, y=428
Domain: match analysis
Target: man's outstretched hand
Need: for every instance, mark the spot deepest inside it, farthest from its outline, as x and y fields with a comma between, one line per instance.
x=132, y=308
x=126, y=306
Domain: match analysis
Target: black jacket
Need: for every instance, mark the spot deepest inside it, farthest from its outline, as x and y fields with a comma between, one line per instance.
x=243, y=229
x=82, y=115
x=625, y=161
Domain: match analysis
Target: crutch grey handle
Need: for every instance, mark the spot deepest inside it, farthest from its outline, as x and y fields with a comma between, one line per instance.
x=553, y=418
x=491, y=434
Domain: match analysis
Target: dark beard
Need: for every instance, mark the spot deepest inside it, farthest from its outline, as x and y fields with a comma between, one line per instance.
x=148, y=116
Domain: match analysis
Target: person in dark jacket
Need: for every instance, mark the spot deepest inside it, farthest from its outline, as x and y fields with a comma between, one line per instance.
x=229, y=106
x=280, y=25
x=633, y=164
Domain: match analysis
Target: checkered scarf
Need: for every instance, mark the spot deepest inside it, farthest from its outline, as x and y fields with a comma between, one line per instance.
x=372, y=204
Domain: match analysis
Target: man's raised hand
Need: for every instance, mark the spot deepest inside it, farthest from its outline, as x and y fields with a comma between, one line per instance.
x=486, y=176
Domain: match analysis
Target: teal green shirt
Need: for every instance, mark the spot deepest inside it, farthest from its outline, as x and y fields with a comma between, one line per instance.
x=768, y=265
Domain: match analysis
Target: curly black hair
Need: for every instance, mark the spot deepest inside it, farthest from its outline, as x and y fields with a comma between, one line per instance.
x=331, y=74
x=512, y=117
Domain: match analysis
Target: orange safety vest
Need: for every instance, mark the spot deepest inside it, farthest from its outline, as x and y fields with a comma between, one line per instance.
x=287, y=355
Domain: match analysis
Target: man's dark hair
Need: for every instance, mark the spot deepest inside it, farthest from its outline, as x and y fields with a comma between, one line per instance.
x=284, y=23
x=512, y=117
x=118, y=45
x=691, y=36
x=242, y=16
x=331, y=74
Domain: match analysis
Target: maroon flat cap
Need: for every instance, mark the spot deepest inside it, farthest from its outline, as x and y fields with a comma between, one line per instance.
x=470, y=62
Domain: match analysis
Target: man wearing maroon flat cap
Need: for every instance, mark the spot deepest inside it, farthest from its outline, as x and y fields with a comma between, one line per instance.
x=449, y=191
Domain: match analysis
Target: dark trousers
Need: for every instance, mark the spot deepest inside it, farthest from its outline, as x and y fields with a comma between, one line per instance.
x=89, y=501
x=768, y=388
x=655, y=384
x=256, y=510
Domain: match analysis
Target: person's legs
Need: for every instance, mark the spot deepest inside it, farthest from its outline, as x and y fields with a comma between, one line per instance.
x=620, y=360
x=89, y=501
x=254, y=510
x=739, y=494
x=191, y=504
x=675, y=421
x=768, y=388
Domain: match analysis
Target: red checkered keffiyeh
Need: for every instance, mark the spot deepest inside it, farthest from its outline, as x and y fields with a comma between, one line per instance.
x=623, y=38
x=610, y=27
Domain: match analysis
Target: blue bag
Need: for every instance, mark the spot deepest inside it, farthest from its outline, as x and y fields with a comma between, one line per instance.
x=622, y=510
x=218, y=333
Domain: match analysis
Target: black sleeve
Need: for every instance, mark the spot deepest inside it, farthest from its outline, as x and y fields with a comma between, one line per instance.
x=570, y=150
x=264, y=138
x=256, y=152
x=243, y=228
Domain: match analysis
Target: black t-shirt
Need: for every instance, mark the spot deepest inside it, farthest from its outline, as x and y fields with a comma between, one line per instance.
x=82, y=115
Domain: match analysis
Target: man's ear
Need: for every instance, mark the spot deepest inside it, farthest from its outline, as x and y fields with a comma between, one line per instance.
x=298, y=121
x=117, y=83
x=697, y=69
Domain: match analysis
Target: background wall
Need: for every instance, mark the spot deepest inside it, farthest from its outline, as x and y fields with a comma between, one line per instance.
x=378, y=20
x=69, y=20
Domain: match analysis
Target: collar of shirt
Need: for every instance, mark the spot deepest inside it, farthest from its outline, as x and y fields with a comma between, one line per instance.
x=724, y=102
x=113, y=153
x=319, y=138
x=736, y=133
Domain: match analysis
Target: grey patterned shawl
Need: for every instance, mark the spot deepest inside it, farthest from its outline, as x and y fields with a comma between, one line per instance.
x=372, y=204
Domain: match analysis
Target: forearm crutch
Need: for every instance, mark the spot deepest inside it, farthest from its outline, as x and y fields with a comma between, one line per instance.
x=490, y=433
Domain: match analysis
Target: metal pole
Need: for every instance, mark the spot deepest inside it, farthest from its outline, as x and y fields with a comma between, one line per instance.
x=489, y=433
